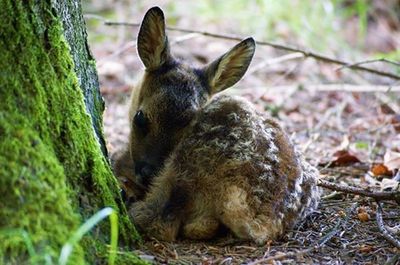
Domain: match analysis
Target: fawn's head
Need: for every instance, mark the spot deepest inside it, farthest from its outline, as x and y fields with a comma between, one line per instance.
x=171, y=93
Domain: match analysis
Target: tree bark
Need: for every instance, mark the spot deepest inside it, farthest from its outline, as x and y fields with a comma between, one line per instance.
x=54, y=172
x=85, y=66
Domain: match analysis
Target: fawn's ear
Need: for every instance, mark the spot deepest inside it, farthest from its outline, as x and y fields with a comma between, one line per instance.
x=228, y=69
x=152, y=43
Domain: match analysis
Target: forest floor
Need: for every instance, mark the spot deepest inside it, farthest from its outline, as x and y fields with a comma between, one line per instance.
x=346, y=122
x=334, y=140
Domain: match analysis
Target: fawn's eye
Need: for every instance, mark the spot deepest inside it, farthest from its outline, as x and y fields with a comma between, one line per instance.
x=140, y=120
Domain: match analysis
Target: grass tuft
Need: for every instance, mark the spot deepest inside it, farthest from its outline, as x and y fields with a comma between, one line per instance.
x=86, y=227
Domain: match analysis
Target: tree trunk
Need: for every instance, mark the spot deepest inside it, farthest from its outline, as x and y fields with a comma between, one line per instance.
x=54, y=173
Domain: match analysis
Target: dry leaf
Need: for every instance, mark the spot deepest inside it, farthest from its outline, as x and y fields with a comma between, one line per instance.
x=396, y=122
x=345, y=143
x=390, y=185
x=370, y=181
x=386, y=109
x=363, y=216
x=366, y=248
x=342, y=214
x=343, y=158
x=381, y=170
x=206, y=261
x=391, y=159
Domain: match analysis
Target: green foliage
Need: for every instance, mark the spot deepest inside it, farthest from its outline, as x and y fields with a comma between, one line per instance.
x=361, y=145
x=314, y=24
x=286, y=19
x=318, y=25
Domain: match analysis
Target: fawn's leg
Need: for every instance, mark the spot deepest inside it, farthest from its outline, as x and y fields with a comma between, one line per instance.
x=122, y=164
x=201, y=223
x=161, y=212
x=123, y=168
x=202, y=227
x=238, y=216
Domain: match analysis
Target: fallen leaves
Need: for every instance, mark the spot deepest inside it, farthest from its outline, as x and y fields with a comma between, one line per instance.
x=389, y=168
x=362, y=214
x=393, y=118
x=391, y=160
x=390, y=184
x=342, y=214
x=344, y=158
x=380, y=170
x=366, y=248
x=395, y=121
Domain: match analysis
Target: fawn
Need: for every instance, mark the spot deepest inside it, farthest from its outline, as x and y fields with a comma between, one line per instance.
x=199, y=161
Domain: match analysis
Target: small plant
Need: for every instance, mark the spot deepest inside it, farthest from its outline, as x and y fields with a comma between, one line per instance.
x=86, y=227
x=45, y=258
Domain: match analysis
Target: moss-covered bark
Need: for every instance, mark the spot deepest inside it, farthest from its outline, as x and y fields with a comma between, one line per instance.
x=53, y=174
x=85, y=67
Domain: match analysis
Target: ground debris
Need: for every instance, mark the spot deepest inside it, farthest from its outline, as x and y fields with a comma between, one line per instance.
x=344, y=122
x=353, y=241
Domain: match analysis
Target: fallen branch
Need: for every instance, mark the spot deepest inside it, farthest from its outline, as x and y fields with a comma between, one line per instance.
x=383, y=60
x=354, y=66
x=132, y=44
x=280, y=59
x=377, y=195
x=336, y=87
x=385, y=233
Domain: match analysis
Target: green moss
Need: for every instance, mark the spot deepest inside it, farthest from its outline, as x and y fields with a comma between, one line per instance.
x=52, y=172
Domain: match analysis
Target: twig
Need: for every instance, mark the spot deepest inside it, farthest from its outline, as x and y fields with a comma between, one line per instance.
x=132, y=44
x=377, y=195
x=311, y=54
x=337, y=87
x=385, y=233
x=280, y=59
x=341, y=223
x=370, y=61
x=127, y=46
x=184, y=38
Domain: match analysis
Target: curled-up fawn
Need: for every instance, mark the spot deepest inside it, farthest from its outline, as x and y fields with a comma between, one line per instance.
x=200, y=161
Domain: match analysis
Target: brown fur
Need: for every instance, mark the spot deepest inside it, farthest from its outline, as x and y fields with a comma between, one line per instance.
x=213, y=160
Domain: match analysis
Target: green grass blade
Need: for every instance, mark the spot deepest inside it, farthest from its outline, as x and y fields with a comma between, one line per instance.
x=114, y=238
x=86, y=227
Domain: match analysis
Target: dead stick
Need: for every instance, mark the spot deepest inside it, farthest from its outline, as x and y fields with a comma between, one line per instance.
x=377, y=195
x=383, y=60
x=382, y=228
x=314, y=55
x=335, y=87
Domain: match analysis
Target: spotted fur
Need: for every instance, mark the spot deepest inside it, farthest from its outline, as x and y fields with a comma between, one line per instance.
x=216, y=160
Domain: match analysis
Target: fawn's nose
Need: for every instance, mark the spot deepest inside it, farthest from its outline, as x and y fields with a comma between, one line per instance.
x=145, y=171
